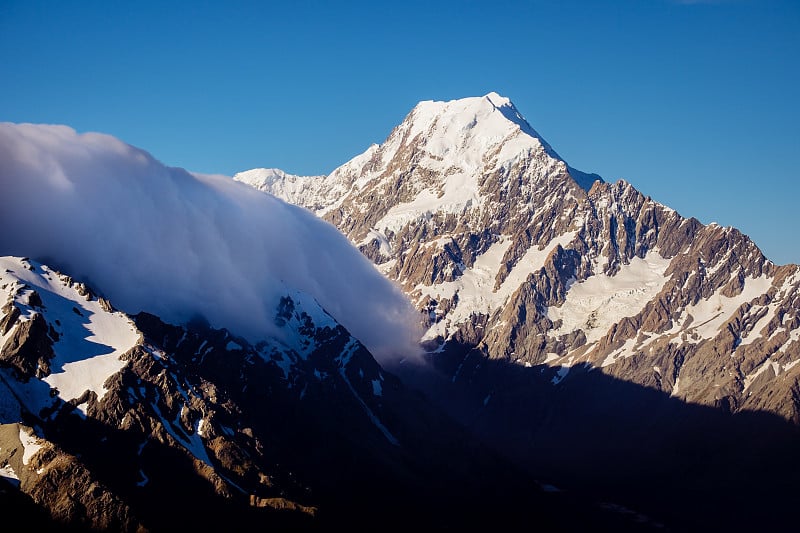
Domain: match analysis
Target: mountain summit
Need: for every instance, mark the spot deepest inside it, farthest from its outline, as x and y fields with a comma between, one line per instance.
x=455, y=142
x=569, y=314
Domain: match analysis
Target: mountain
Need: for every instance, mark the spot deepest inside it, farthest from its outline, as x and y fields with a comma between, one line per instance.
x=190, y=356
x=569, y=318
x=502, y=245
x=454, y=330
x=293, y=189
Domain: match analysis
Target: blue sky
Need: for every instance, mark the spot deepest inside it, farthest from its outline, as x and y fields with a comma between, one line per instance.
x=696, y=103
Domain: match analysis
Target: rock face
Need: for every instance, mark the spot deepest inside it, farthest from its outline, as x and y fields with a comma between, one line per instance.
x=545, y=291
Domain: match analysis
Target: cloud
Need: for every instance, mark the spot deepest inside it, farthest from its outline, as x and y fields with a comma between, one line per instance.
x=177, y=244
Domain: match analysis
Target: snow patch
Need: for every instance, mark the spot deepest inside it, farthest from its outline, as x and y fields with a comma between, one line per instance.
x=626, y=350
x=91, y=339
x=600, y=301
x=7, y=472
x=475, y=288
x=30, y=444
x=768, y=364
x=709, y=314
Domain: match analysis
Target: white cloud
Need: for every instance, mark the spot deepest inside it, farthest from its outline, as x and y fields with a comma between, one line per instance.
x=176, y=244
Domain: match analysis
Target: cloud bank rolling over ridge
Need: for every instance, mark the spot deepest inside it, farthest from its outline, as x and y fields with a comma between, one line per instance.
x=176, y=244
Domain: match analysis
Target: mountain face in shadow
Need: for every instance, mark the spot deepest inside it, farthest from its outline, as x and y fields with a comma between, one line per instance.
x=682, y=466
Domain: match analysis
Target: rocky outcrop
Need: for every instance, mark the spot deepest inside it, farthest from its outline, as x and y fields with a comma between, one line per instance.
x=29, y=349
x=59, y=482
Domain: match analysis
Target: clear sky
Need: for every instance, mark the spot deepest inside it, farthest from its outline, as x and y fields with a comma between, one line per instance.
x=695, y=102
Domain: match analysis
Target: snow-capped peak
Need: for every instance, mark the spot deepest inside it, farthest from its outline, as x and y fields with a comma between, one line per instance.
x=468, y=127
x=497, y=99
x=263, y=177
x=478, y=124
x=445, y=157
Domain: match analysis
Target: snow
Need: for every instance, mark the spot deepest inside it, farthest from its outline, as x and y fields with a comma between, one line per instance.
x=768, y=364
x=81, y=408
x=7, y=472
x=291, y=336
x=456, y=139
x=460, y=192
x=550, y=357
x=90, y=344
x=344, y=358
x=561, y=374
x=377, y=389
x=755, y=331
x=233, y=345
x=289, y=187
x=284, y=362
x=627, y=350
x=30, y=444
x=332, y=189
x=709, y=314
x=676, y=387
x=144, y=480
x=600, y=301
x=191, y=443
x=475, y=288
x=794, y=336
x=383, y=243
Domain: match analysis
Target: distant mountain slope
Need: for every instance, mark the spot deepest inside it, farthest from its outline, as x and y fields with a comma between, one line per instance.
x=504, y=248
x=293, y=189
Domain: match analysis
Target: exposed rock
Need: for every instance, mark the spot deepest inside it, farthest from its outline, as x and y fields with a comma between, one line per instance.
x=29, y=349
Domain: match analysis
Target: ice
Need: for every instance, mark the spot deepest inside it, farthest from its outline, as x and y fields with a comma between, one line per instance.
x=600, y=301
